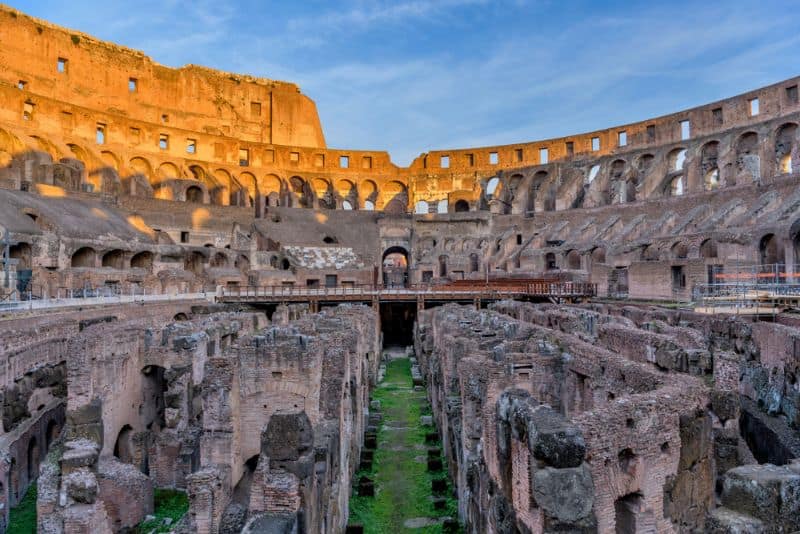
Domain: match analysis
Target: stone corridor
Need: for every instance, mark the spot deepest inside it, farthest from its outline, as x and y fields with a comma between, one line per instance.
x=411, y=492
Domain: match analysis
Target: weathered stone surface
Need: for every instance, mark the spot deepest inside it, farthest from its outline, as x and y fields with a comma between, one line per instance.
x=566, y=494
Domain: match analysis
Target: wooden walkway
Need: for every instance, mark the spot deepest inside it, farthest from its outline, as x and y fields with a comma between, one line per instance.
x=476, y=293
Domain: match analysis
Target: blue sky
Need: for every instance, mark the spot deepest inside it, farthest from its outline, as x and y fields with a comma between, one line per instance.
x=414, y=75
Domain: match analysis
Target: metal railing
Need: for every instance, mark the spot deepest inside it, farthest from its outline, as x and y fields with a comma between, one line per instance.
x=368, y=291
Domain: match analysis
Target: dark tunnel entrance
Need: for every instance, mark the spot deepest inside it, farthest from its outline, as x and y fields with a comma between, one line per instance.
x=397, y=323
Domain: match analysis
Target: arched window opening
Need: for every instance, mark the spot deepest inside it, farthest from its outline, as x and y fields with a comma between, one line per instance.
x=84, y=257
x=123, y=448
x=194, y=194
x=114, y=259
x=677, y=159
x=242, y=263
x=474, y=263
x=22, y=253
x=786, y=164
x=461, y=206
x=369, y=205
x=395, y=267
x=680, y=251
x=142, y=260
x=285, y=265
x=573, y=260
x=33, y=459
x=53, y=432
x=347, y=206
x=421, y=207
x=442, y=266
x=491, y=185
x=785, y=140
x=593, y=172
x=708, y=249
x=599, y=255
x=771, y=251
x=219, y=260
x=550, y=261
x=194, y=263
x=711, y=180
x=676, y=187
x=441, y=207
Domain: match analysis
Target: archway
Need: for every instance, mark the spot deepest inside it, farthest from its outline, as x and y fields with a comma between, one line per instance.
x=123, y=448
x=461, y=206
x=142, y=260
x=114, y=259
x=395, y=267
x=771, y=252
x=194, y=194
x=33, y=459
x=84, y=257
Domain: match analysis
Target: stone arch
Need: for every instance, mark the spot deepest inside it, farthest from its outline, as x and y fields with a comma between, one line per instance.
x=395, y=197
x=248, y=182
x=709, y=165
x=194, y=262
x=536, y=199
x=23, y=253
x=242, y=263
x=226, y=182
x=573, y=259
x=785, y=142
x=676, y=186
x=443, y=265
x=84, y=257
x=271, y=186
x=617, y=189
x=10, y=146
x=771, y=251
x=323, y=191
x=142, y=260
x=680, y=251
x=394, y=262
x=195, y=194
x=123, y=446
x=168, y=171
x=110, y=159
x=474, y=262
x=708, y=249
x=461, y=206
x=550, y=262
x=114, y=259
x=748, y=163
x=33, y=455
x=218, y=260
x=369, y=192
x=141, y=167
x=301, y=194
x=52, y=433
x=676, y=159
x=598, y=255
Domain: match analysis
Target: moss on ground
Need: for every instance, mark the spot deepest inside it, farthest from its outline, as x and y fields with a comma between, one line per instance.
x=399, y=468
x=22, y=518
x=168, y=503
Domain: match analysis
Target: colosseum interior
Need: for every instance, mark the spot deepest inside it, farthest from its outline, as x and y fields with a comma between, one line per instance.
x=213, y=322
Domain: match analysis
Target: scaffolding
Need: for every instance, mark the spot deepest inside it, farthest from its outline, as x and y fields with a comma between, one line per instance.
x=749, y=290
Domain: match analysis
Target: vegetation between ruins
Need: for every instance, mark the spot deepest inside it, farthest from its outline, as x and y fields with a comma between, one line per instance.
x=23, y=516
x=402, y=481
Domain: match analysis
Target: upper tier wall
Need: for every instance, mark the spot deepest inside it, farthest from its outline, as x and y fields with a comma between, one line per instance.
x=238, y=137
x=65, y=66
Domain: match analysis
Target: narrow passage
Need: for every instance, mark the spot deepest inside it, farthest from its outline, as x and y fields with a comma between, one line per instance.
x=403, y=500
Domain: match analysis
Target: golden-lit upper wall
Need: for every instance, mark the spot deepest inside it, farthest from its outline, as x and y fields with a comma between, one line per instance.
x=68, y=66
x=223, y=116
